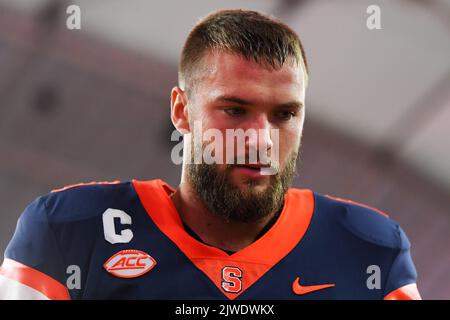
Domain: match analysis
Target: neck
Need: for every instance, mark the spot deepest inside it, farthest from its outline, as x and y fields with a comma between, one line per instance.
x=211, y=228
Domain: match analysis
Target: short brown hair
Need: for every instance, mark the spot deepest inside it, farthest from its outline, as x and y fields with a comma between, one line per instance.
x=250, y=34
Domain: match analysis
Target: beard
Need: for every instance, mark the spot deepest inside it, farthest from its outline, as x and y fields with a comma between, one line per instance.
x=225, y=199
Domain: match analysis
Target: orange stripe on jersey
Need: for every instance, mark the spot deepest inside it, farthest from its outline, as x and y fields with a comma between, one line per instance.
x=85, y=184
x=35, y=279
x=253, y=261
x=408, y=292
x=358, y=204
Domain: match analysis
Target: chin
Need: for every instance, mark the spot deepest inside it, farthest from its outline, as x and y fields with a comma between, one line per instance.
x=255, y=186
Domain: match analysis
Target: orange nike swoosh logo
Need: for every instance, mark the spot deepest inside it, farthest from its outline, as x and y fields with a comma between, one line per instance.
x=299, y=289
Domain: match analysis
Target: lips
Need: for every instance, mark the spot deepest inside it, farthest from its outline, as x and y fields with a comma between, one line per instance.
x=251, y=170
x=253, y=166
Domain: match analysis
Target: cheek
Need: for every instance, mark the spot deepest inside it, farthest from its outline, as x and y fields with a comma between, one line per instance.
x=289, y=143
x=214, y=141
x=297, y=131
x=212, y=119
x=214, y=123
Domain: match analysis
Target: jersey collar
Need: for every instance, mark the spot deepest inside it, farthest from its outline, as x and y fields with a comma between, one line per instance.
x=255, y=259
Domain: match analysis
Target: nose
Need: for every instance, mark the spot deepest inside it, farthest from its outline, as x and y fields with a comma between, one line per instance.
x=262, y=141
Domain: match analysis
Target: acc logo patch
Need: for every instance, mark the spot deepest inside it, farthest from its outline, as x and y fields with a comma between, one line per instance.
x=129, y=264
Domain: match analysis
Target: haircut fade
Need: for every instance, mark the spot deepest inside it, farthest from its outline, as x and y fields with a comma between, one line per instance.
x=250, y=34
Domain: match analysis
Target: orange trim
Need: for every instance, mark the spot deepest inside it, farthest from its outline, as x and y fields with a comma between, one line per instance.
x=358, y=204
x=35, y=279
x=254, y=260
x=85, y=184
x=408, y=292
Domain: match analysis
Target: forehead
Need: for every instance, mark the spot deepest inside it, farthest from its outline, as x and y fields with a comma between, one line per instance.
x=226, y=73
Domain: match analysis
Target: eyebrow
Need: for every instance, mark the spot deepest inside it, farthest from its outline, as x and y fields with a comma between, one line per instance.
x=240, y=101
x=232, y=99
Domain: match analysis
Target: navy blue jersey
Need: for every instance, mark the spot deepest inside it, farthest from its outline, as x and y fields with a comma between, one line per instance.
x=125, y=240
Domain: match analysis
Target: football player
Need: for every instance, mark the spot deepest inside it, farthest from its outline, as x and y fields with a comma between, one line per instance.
x=230, y=229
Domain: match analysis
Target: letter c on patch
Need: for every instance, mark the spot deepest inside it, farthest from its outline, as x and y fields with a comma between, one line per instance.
x=109, y=229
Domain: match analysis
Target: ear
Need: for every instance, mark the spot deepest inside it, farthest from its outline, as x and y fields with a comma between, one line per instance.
x=179, y=110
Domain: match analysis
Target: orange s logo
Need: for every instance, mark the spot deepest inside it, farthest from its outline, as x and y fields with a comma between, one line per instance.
x=232, y=279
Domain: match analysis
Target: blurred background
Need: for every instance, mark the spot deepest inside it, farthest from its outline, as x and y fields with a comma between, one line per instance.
x=93, y=104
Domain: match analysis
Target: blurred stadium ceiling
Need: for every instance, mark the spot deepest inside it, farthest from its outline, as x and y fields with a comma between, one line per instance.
x=389, y=87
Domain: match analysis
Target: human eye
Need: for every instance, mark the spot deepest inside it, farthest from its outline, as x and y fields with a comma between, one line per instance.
x=285, y=115
x=234, y=111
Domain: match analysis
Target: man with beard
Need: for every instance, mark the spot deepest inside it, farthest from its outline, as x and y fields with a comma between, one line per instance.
x=229, y=230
